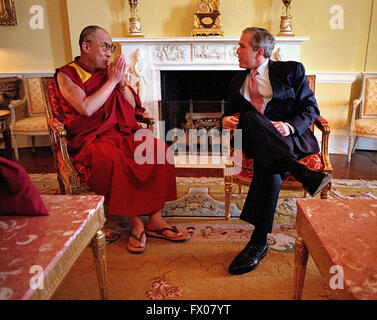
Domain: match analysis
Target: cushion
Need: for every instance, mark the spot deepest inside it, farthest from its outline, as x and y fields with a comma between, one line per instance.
x=56, y=107
x=312, y=161
x=18, y=195
x=370, y=103
x=36, y=96
x=366, y=126
x=31, y=124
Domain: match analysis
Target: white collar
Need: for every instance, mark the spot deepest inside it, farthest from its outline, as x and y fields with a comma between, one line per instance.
x=262, y=68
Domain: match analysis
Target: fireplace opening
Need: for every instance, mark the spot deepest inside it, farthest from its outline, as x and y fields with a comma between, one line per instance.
x=195, y=100
x=198, y=85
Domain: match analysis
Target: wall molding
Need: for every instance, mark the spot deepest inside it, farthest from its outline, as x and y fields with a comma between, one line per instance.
x=339, y=77
x=26, y=74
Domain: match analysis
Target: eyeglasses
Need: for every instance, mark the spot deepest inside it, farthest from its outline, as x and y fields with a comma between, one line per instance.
x=105, y=46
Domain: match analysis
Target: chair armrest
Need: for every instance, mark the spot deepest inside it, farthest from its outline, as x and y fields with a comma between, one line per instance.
x=12, y=106
x=355, y=104
x=59, y=143
x=322, y=124
x=145, y=118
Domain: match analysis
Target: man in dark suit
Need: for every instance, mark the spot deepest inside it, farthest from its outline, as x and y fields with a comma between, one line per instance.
x=274, y=106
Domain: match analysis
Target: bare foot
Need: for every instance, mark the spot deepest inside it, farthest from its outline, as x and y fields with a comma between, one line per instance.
x=138, y=238
x=156, y=222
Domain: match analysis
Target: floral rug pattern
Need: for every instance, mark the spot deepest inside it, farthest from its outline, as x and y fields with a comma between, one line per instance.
x=204, y=198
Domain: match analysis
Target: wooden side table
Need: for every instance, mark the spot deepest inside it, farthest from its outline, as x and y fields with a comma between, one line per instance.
x=37, y=252
x=341, y=237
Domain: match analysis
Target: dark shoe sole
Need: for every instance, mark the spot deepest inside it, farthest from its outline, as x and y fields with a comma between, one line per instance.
x=251, y=268
x=326, y=179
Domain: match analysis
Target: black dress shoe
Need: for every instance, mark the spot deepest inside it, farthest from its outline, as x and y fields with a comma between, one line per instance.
x=248, y=259
x=316, y=181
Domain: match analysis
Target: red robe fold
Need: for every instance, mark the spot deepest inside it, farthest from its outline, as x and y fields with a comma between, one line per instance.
x=103, y=148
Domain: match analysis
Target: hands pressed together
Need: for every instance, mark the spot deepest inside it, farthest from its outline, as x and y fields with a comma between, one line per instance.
x=117, y=69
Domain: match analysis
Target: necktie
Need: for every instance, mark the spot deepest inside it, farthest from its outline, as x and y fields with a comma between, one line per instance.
x=255, y=98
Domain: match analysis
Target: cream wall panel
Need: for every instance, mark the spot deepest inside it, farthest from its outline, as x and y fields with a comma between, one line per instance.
x=23, y=49
x=333, y=100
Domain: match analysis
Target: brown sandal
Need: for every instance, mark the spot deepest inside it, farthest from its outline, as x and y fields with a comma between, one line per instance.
x=160, y=234
x=134, y=249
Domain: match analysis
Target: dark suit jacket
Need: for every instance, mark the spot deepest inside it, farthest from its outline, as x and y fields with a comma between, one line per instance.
x=293, y=101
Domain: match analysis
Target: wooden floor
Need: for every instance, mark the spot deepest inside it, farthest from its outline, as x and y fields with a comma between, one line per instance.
x=363, y=165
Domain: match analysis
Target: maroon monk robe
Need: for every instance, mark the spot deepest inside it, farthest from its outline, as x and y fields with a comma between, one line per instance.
x=102, y=147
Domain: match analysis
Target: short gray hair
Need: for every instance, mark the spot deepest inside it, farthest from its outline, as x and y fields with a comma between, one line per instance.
x=261, y=39
x=86, y=32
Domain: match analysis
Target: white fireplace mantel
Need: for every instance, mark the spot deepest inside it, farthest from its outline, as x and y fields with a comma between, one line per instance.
x=146, y=57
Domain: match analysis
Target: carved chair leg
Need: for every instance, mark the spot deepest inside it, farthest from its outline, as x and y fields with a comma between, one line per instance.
x=33, y=143
x=301, y=260
x=228, y=191
x=350, y=147
x=325, y=193
x=99, y=253
x=15, y=148
x=61, y=187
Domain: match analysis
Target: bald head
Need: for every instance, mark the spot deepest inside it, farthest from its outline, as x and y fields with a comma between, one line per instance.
x=87, y=31
x=96, y=47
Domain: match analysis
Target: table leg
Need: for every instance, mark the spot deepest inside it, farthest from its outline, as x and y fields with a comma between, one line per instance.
x=8, y=144
x=301, y=260
x=99, y=253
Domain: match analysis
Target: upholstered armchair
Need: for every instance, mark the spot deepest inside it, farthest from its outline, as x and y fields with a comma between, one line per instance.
x=364, y=113
x=70, y=179
x=33, y=123
x=318, y=161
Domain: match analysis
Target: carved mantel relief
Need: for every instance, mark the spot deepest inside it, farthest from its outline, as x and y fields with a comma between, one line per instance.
x=203, y=51
x=136, y=76
x=170, y=53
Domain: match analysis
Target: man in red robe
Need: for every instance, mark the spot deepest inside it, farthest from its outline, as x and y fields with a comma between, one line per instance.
x=100, y=117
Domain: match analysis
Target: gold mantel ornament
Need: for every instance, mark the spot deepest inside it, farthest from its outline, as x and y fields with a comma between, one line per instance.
x=286, y=20
x=134, y=22
x=207, y=19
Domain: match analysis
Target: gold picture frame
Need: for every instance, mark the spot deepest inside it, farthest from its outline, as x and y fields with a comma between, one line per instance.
x=7, y=13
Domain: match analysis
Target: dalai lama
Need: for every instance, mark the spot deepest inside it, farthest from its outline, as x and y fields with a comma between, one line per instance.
x=100, y=117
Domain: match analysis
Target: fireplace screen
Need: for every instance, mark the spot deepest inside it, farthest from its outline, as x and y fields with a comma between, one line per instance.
x=191, y=107
x=193, y=126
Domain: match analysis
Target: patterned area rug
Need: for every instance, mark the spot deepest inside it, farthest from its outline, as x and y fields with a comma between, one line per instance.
x=197, y=269
x=204, y=198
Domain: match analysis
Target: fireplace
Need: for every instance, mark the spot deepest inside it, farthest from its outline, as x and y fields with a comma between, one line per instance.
x=193, y=101
x=176, y=77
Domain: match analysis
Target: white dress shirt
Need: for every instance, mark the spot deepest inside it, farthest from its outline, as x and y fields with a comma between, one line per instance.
x=264, y=84
x=264, y=87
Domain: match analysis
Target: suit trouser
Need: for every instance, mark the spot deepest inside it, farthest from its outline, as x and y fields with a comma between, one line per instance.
x=270, y=150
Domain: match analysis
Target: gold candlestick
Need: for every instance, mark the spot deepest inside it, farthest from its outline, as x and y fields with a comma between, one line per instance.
x=134, y=27
x=286, y=20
